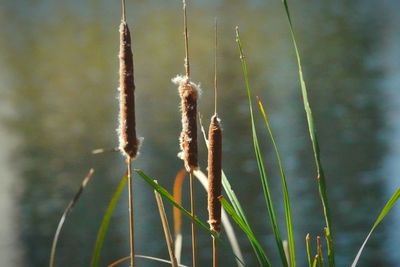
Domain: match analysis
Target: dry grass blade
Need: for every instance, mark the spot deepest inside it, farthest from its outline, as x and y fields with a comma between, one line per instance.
x=69, y=208
x=167, y=232
x=116, y=263
x=319, y=250
x=287, y=251
x=177, y=195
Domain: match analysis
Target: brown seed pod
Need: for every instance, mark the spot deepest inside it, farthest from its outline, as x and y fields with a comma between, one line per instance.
x=189, y=93
x=214, y=173
x=128, y=141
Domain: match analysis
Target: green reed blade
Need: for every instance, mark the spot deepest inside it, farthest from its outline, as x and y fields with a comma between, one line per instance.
x=314, y=140
x=389, y=205
x=260, y=162
x=286, y=200
x=263, y=260
x=170, y=199
x=106, y=221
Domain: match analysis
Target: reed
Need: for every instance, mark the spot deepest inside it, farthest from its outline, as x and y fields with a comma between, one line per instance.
x=189, y=93
x=214, y=164
x=214, y=173
x=214, y=179
x=128, y=141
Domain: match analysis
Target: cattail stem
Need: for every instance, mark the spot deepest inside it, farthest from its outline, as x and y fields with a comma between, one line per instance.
x=185, y=33
x=188, y=138
x=131, y=226
x=214, y=163
x=215, y=259
x=193, y=225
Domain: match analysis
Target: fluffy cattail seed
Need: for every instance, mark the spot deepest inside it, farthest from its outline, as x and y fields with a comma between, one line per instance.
x=214, y=173
x=128, y=141
x=189, y=93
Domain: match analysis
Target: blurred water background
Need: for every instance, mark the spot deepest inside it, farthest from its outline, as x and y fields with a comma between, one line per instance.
x=58, y=80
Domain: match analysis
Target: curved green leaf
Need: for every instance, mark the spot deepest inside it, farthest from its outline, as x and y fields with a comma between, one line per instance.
x=105, y=222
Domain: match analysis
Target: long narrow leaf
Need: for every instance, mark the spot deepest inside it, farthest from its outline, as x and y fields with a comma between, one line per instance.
x=260, y=162
x=286, y=200
x=67, y=211
x=389, y=205
x=170, y=198
x=105, y=222
x=314, y=141
x=230, y=210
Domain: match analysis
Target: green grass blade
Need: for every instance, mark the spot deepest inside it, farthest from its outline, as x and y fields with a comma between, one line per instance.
x=106, y=221
x=286, y=200
x=260, y=162
x=315, y=261
x=328, y=239
x=263, y=260
x=308, y=250
x=314, y=140
x=163, y=192
x=389, y=205
x=170, y=198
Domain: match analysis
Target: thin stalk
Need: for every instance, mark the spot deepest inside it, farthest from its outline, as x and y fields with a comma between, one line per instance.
x=215, y=259
x=167, y=233
x=192, y=211
x=131, y=227
x=319, y=250
x=69, y=208
x=185, y=33
x=308, y=249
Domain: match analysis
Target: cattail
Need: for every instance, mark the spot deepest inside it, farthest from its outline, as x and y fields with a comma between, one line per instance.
x=128, y=141
x=189, y=93
x=214, y=173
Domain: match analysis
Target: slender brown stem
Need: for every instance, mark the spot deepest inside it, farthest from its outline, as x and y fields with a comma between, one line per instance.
x=215, y=66
x=131, y=228
x=185, y=32
x=215, y=258
x=192, y=210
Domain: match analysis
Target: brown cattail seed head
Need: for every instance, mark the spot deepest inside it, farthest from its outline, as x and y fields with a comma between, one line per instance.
x=189, y=93
x=214, y=173
x=128, y=141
